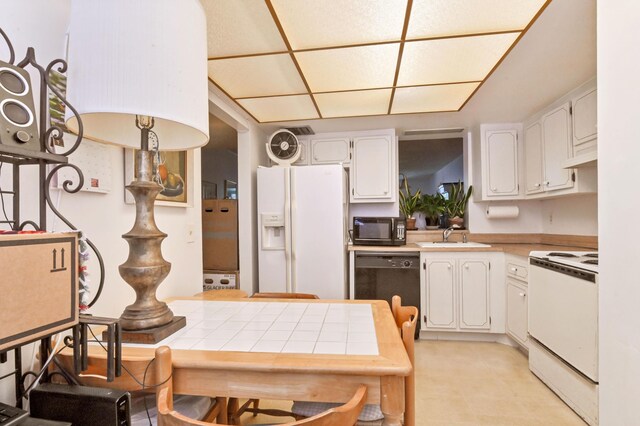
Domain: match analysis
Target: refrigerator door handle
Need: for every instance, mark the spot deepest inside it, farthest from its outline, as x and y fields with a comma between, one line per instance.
x=292, y=199
x=287, y=228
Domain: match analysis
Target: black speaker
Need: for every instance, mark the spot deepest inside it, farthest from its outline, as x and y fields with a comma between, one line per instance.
x=18, y=121
x=81, y=405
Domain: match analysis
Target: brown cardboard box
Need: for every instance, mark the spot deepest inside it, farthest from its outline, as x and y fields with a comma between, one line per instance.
x=38, y=286
x=217, y=280
x=220, y=234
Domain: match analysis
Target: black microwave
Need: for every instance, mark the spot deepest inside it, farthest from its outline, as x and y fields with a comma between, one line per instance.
x=379, y=231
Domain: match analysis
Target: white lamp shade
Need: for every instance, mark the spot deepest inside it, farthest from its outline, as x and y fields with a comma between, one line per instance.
x=139, y=57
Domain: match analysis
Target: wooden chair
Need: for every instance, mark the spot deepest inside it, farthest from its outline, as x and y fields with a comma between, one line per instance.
x=135, y=372
x=222, y=294
x=345, y=415
x=406, y=318
x=235, y=410
x=284, y=296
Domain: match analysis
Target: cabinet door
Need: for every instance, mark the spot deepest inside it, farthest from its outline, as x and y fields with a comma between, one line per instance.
x=585, y=117
x=474, y=294
x=502, y=163
x=556, y=138
x=330, y=151
x=440, y=294
x=372, y=171
x=533, y=158
x=517, y=311
x=304, y=153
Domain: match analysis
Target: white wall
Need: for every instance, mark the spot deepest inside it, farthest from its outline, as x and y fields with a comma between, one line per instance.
x=251, y=154
x=618, y=176
x=103, y=217
x=571, y=215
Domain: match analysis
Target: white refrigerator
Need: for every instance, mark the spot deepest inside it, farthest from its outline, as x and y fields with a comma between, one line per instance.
x=302, y=230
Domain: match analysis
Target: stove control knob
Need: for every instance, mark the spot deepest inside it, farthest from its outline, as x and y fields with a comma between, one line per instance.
x=406, y=263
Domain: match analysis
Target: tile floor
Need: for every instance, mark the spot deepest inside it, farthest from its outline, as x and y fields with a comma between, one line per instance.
x=471, y=383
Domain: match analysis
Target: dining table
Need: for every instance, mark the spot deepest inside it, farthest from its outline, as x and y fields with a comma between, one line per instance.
x=284, y=349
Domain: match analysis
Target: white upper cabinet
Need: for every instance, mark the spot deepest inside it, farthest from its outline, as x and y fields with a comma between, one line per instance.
x=370, y=156
x=330, y=150
x=303, y=160
x=557, y=148
x=585, y=117
x=373, y=173
x=501, y=178
x=533, y=158
x=550, y=149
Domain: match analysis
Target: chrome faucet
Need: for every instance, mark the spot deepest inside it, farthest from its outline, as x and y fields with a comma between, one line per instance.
x=446, y=233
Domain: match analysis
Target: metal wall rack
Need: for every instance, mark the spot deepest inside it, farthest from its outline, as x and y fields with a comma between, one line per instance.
x=48, y=162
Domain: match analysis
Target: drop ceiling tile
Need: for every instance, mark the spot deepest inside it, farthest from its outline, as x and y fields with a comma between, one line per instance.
x=281, y=108
x=313, y=23
x=453, y=59
x=449, y=97
x=254, y=76
x=240, y=27
x=437, y=18
x=349, y=104
x=350, y=68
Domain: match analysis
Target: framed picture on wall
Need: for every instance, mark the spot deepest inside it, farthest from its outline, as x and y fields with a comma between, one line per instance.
x=172, y=170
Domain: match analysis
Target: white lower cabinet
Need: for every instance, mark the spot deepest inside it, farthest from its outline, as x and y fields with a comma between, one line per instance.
x=517, y=272
x=461, y=292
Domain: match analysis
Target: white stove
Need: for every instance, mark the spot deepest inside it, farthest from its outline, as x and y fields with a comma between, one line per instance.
x=587, y=260
x=563, y=326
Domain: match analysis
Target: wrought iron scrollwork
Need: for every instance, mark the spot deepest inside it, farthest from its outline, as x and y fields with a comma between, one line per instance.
x=12, y=54
x=68, y=186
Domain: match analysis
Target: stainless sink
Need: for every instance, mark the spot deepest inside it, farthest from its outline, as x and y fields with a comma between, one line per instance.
x=451, y=244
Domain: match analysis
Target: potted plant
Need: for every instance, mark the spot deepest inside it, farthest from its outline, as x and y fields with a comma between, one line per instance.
x=456, y=205
x=432, y=206
x=409, y=204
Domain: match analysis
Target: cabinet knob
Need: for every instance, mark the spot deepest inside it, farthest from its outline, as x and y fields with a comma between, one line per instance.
x=494, y=189
x=466, y=266
x=537, y=185
x=547, y=183
x=521, y=294
x=448, y=266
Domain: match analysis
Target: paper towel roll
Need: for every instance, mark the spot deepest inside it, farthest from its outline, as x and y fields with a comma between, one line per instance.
x=502, y=212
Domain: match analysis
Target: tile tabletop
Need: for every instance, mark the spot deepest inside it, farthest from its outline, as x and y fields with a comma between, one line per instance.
x=280, y=327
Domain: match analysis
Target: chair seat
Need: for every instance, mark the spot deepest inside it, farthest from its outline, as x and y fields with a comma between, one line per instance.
x=369, y=413
x=192, y=406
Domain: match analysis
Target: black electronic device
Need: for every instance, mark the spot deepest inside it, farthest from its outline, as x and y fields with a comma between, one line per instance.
x=81, y=405
x=18, y=121
x=11, y=415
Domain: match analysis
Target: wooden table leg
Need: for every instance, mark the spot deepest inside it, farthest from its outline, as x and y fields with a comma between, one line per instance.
x=392, y=400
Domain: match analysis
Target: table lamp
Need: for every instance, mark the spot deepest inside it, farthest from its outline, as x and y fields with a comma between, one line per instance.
x=135, y=66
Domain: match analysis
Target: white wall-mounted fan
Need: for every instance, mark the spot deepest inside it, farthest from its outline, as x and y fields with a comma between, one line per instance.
x=283, y=147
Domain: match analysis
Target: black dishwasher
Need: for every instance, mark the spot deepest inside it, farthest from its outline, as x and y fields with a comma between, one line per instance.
x=381, y=275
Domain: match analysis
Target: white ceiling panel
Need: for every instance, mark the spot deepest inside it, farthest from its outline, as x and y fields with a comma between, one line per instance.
x=257, y=76
x=452, y=60
x=313, y=23
x=437, y=18
x=349, y=68
x=240, y=27
x=448, y=97
x=348, y=104
x=282, y=108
